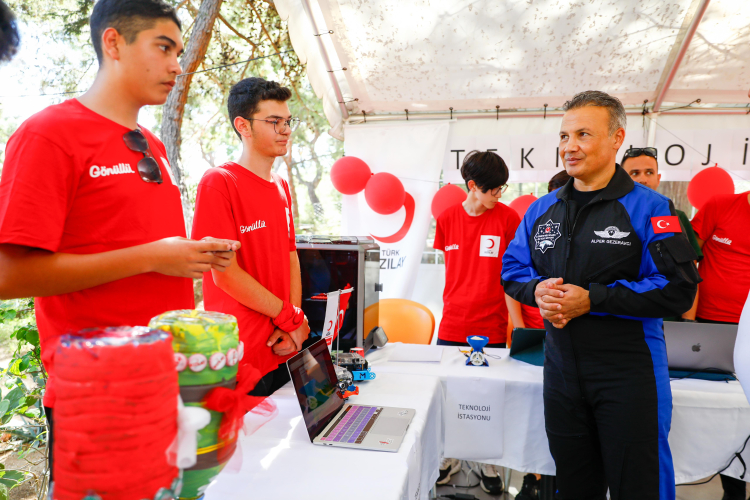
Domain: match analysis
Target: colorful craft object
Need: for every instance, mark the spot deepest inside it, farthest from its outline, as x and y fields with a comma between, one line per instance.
x=116, y=415
x=207, y=351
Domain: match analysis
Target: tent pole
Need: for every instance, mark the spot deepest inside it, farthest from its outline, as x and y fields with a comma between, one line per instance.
x=327, y=62
x=680, y=55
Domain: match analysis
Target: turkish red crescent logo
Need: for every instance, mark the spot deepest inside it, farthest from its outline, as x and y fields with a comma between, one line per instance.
x=492, y=244
x=330, y=326
x=666, y=224
x=409, y=206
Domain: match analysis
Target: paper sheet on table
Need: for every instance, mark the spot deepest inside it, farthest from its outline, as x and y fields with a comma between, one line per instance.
x=416, y=353
x=474, y=415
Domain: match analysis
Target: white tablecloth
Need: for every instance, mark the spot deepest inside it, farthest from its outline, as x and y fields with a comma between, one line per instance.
x=279, y=461
x=710, y=420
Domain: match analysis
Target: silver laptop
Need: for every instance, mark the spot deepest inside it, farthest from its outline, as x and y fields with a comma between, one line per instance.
x=332, y=422
x=700, y=346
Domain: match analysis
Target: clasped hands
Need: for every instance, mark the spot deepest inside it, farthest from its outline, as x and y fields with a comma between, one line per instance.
x=559, y=303
x=288, y=343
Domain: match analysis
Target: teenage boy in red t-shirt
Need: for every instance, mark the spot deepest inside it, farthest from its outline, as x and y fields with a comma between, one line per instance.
x=246, y=201
x=721, y=226
x=90, y=219
x=473, y=236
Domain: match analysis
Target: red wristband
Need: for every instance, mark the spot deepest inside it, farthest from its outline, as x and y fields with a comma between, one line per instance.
x=290, y=318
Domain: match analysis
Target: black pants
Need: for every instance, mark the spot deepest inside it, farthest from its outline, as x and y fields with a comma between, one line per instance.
x=50, y=440
x=734, y=489
x=271, y=382
x=607, y=409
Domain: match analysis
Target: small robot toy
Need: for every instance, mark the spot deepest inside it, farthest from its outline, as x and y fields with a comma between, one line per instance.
x=476, y=356
x=345, y=383
x=357, y=365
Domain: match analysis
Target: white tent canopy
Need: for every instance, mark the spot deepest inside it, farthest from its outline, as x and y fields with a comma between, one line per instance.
x=488, y=56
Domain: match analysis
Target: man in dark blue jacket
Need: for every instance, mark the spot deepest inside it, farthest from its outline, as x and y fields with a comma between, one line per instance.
x=604, y=259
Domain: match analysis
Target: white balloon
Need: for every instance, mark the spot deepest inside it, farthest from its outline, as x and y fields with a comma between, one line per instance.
x=742, y=350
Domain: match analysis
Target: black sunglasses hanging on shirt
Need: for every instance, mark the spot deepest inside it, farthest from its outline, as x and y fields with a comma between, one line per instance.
x=148, y=169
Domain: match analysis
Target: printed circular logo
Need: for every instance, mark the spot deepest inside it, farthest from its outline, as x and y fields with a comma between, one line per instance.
x=232, y=357
x=180, y=361
x=217, y=361
x=197, y=362
x=546, y=235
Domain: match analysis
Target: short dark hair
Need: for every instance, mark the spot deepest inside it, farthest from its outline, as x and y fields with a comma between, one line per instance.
x=558, y=180
x=128, y=17
x=617, y=116
x=486, y=169
x=622, y=164
x=245, y=97
x=9, y=38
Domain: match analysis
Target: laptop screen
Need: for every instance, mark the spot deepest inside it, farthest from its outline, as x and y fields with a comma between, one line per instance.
x=314, y=382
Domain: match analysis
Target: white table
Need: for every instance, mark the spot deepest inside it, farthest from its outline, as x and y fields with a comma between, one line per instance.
x=278, y=460
x=710, y=420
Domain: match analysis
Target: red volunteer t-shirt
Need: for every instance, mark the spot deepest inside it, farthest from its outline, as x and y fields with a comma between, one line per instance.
x=69, y=184
x=532, y=318
x=722, y=224
x=474, y=299
x=236, y=204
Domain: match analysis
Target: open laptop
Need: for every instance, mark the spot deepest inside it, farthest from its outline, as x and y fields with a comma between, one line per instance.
x=700, y=346
x=332, y=422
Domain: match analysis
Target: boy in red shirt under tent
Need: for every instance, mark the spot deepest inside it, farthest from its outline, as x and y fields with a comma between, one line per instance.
x=473, y=236
x=246, y=201
x=91, y=220
x=721, y=226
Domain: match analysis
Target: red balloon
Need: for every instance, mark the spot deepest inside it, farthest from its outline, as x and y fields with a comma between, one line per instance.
x=522, y=203
x=708, y=183
x=384, y=193
x=350, y=175
x=446, y=197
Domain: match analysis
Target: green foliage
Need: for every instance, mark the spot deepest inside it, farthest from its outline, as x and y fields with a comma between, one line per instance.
x=23, y=388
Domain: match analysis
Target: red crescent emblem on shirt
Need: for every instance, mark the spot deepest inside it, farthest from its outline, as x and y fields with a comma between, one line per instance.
x=409, y=206
x=492, y=244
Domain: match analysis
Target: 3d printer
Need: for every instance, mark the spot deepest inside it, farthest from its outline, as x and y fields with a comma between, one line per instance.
x=330, y=263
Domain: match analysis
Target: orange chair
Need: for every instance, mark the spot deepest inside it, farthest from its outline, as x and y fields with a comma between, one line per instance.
x=403, y=320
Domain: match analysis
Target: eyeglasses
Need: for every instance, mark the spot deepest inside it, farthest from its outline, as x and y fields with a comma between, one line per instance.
x=636, y=152
x=280, y=125
x=148, y=169
x=500, y=190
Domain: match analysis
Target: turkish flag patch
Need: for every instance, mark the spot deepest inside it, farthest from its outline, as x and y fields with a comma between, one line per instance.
x=667, y=224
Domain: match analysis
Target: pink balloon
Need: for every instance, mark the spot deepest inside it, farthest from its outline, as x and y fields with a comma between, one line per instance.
x=522, y=203
x=385, y=193
x=349, y=175
x=446, y=197
x=708, y=183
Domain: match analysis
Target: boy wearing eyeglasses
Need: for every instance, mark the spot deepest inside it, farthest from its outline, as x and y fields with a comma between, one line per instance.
x=246, y=201
x=91, y=221
x=473, y=237
x=643, y=167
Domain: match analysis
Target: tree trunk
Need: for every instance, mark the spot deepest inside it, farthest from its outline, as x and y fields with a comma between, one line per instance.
x=292, y=189
x=174, y=109
x=677, y=192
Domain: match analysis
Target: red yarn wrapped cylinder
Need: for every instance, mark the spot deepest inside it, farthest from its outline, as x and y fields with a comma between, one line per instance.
x=115, y=414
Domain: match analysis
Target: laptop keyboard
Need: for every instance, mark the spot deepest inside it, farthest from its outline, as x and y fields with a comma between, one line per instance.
x=353, y=425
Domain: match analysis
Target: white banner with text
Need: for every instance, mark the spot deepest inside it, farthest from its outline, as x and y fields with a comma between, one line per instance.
x=413, y=152
x=686, y=144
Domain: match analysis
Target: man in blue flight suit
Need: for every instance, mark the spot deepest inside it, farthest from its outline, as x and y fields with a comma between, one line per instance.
x=604, y=259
